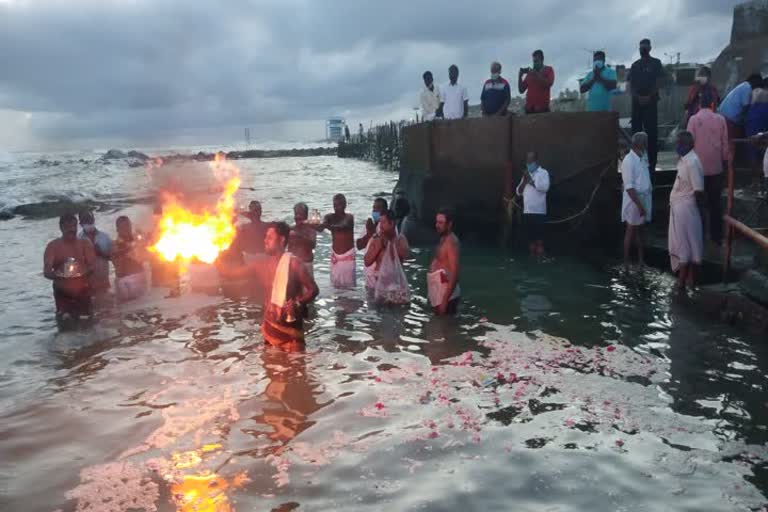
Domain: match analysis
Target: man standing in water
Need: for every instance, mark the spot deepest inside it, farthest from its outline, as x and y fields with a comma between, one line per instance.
x=533, y=189
x=102, y=245
x=127, y=257
x=289, y=289
x=443, y=278
x=250, y=237
x=637, y=201
x=67, y=262
x=341, y=225
x=686, y=233
x=384, y=256
x=303, y=238
x=371, y=227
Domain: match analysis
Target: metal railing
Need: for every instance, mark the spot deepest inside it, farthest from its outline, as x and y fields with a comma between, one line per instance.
x=731, y=223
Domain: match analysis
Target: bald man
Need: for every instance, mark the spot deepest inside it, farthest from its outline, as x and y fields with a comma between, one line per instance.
x=686, y=233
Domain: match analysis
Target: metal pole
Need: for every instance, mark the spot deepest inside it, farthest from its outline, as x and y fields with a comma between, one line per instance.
x=728, y=226
x=750, y=233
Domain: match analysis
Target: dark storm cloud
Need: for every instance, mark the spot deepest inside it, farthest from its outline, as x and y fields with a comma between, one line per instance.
x=128, y=68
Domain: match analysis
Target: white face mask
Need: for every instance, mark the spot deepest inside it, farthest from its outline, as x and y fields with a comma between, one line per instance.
x=702, y=80
x=89, y=228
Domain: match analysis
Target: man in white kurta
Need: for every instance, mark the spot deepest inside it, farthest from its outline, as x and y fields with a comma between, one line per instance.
x=637, y=201
x=686, y=233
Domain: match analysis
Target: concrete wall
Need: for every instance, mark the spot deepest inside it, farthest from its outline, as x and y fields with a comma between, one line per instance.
x=568, y=142
x=470, y=163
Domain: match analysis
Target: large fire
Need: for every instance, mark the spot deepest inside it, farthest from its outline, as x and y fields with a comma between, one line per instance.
x=188, y=234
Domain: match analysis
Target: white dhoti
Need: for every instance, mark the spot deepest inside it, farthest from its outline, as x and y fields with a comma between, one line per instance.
x=343, y=269
x=686, y=234
x=630, y=213
x=437, y=285
x=131, y=287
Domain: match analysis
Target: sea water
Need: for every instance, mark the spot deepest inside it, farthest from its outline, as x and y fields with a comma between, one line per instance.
x=561, y=385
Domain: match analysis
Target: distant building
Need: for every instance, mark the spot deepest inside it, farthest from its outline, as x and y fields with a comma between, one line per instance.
x=334, y=128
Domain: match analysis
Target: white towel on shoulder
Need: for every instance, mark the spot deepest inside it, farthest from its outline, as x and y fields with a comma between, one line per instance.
x=280, y=281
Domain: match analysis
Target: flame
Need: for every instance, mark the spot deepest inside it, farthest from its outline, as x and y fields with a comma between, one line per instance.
x=205, y=491
x=201, y=493
x=187, y=234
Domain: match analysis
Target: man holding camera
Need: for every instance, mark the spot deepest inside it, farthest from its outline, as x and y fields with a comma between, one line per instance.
x=537, y=81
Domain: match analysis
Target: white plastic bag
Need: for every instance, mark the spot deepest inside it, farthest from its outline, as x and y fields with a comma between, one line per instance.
x=391, y=285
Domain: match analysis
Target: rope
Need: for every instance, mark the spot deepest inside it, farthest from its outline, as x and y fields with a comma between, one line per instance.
x=516, y=206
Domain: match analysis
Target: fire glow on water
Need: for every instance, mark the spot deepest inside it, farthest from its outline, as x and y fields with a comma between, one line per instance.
x=187, y=234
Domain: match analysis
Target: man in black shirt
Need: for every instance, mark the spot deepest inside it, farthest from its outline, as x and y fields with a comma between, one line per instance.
x=644, y=79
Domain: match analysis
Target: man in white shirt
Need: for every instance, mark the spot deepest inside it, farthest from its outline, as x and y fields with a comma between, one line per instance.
x=430, y=98
x=453, y=96
x=533, y=188
x=686, y=233
x=636, y=203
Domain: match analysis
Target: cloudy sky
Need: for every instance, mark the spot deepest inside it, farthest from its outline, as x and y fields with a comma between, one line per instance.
x=79, y=73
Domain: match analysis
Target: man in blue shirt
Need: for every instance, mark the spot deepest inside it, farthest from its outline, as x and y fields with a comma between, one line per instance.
x=599, y=82
x=496, y=95
x=735, y=105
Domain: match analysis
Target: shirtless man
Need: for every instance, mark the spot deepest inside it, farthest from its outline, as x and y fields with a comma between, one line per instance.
x=303, y=239
x=443, y=277
x=371, y=227
x=341, y=225
x=379, y=248
x=289, y=288
x=128, y=254
x=250, y=237
x=102, y=245
x=371, y=224
x=71, y=294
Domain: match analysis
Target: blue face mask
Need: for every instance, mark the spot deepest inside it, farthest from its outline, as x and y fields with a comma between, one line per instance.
x=599, y=64
x=495, y=76
x=375, y=216
x=682, y=149
x=532, y=167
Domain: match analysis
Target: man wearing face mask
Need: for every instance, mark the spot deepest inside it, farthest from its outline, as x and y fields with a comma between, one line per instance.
x=537, y=81
x=600, y=81
x=371, y=228
x=702, y=87
x=533, y=188
x=686, y=234
x=496, y=95
x=99, y=279
x=645, y=77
